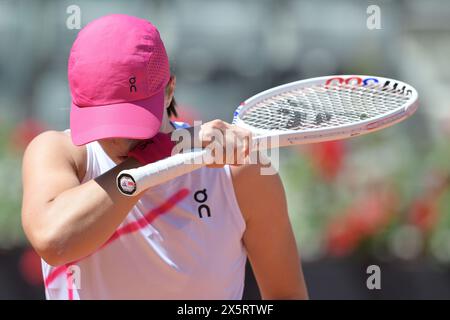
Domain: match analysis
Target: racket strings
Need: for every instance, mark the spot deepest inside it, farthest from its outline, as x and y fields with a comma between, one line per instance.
x=323, y=106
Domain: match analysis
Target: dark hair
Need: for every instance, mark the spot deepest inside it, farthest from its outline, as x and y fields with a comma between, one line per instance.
x=171, y=109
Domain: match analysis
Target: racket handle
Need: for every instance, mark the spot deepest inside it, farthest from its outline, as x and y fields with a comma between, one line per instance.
x=133, y=181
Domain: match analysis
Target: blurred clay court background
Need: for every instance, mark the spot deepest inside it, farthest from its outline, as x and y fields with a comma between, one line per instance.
x=381, y=199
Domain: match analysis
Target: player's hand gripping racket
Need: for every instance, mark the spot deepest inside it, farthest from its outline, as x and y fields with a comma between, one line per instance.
x=306, y=111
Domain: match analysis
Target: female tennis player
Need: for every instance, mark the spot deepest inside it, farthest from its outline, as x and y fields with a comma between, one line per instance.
x=185, y=239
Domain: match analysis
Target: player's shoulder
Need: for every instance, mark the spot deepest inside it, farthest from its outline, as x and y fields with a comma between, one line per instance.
x=256, y=189
x=50, y=140
x=250, y=181
x=244, y=171
x=250, y=173
x=55, y=145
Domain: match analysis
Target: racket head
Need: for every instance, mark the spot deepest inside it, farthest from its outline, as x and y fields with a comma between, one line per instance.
x=327, y=108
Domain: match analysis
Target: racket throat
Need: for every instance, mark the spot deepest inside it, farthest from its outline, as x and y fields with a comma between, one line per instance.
x=261, y=143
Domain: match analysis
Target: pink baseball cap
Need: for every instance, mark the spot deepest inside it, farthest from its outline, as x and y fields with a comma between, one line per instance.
x=118, y=70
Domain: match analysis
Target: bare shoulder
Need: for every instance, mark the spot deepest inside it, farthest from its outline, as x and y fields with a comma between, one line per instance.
x=56, y=146
x=241, y=174
x=256, y=191
x=254, y=176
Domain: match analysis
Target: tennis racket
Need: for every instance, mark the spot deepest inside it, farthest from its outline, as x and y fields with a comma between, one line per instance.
x=301, y=112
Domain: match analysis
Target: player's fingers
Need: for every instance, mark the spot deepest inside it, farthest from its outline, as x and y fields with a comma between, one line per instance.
x=227, y=143
x=238, y=144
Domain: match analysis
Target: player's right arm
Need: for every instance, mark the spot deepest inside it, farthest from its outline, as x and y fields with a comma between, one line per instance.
x=64, y=219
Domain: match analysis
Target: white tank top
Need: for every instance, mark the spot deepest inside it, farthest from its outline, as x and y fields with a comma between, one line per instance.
x=182, y=240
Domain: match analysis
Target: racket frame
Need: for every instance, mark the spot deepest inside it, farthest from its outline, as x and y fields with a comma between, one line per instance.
x=166, y=169
x=294, y=137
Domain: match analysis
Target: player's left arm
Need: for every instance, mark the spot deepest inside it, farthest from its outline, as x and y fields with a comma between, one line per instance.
x=269, y=239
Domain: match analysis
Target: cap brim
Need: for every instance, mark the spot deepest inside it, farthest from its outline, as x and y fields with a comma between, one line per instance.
x=133, y=120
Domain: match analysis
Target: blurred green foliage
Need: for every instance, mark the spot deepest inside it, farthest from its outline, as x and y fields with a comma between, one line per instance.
x=11, y=233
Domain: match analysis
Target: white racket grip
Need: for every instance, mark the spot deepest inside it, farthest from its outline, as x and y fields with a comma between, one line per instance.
x=133, y=181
